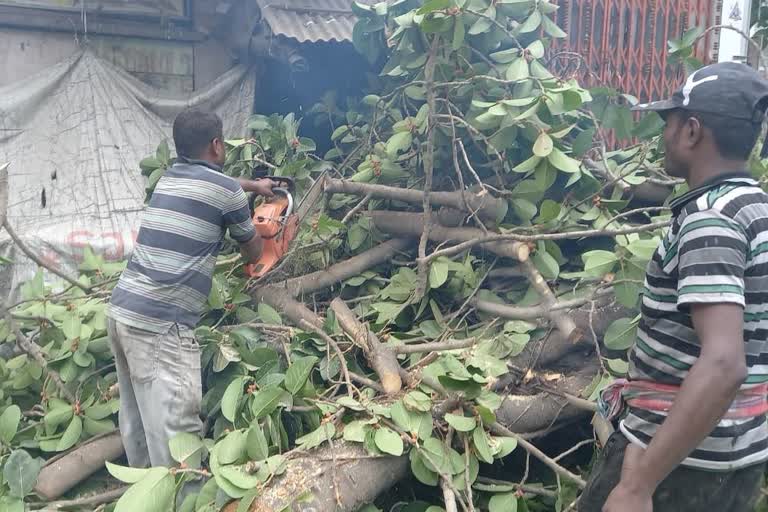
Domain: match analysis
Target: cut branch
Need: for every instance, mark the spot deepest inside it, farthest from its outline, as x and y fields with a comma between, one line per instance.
x=39, y=261
x=483, y=204
x=341, y=271
x=379, y=356
x=409, y=224
x=62, y=474
x=429, y=165
x=563, y=322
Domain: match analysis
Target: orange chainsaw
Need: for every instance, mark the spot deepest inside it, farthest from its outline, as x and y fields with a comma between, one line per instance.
x=277, y=222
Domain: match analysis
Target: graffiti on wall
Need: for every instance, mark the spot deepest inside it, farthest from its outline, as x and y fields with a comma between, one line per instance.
x=173, y=8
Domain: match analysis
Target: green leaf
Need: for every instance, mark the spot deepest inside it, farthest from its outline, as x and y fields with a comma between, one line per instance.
x=248, y=499
x=389, y=441
x=537, y=49
x=187, y=448
x=126, y=474
x=518, y=70
x=543, y=145
x=528, y=166
x=459, y=33
x=355, y=431
x=627, y=293
x=482, y=447
x=438, y=272
x=325, y=432
x=298, y=373
x=618, y=366
x=417, y=401
x=257, y=446
x=71, y=435
x=420, y=470
x=551, y=28
x=71, y=325
x=583, y=142
x=434, y=5
x=413, y=422
x=400, y=141
x=149, y=164
x=505, y=56
x=598, y=263
x=268, y=314
x=163, y=152
x=621, y=334
x=643, y=248
x=506, y=502
x=153, y=493
x=232, y=449
x=505, y=446
x=9, y=423
x=483, y=23
x=562, y=161
x=265, y=401
x=546, y=264
x=20, y=472
x=230, y=402
x=531, y=24
x=461, y=423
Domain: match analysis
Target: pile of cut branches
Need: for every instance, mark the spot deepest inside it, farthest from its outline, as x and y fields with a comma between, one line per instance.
x=468, y=287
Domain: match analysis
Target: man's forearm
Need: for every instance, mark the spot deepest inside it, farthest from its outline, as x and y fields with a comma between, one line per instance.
x=701, y=402
x=246, y=185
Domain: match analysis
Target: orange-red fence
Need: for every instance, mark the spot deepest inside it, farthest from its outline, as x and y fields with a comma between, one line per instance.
x=623, y=43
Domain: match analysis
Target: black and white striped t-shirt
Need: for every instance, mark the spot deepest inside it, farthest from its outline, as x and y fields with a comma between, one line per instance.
x=716, y=251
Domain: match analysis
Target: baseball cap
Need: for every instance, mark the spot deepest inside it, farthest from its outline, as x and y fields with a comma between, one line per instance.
x=728, y=89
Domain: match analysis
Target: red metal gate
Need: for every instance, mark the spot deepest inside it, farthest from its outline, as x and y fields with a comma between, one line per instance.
x=623, y=43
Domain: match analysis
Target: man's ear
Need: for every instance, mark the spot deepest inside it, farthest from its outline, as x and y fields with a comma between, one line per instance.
x=693, y=132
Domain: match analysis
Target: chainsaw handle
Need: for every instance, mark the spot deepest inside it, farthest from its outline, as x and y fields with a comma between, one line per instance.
x=286, y=182
x=288, y=195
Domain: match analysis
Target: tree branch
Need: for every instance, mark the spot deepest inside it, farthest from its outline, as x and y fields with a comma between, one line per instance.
x=34, y=257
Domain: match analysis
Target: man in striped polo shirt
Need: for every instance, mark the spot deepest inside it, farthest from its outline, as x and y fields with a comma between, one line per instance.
x=694, y=436
x=162, y=292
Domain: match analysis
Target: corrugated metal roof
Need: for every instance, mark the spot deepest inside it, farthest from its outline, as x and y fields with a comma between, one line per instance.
x=311, y=21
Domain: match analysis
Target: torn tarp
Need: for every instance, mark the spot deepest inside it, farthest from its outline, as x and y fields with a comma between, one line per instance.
x=74, y=135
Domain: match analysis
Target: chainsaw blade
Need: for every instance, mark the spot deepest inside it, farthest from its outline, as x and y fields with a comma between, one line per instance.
x=310, y=199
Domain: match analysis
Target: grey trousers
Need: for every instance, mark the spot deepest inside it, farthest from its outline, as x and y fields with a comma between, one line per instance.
x=160, y=383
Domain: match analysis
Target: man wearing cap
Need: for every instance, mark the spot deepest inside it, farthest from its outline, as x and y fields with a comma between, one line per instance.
x=693, y=434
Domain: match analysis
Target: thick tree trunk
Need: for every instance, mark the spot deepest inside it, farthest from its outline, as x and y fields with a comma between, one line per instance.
x=341, y=478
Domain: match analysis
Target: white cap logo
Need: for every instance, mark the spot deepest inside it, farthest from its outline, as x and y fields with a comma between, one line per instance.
x=692, y=83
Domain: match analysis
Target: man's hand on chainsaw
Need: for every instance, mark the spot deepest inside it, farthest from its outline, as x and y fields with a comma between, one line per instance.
x=262, y=187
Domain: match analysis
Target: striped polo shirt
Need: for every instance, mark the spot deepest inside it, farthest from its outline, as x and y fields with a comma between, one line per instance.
x=168, y=278
x=716, y=251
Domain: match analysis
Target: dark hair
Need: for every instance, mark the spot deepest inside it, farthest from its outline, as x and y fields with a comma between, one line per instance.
x=734, y=138
x=193, y=130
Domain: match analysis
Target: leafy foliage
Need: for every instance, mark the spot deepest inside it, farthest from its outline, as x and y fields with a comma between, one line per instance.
x=501, y=122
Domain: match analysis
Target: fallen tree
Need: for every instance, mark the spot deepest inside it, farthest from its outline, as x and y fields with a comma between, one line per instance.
x=467, y=288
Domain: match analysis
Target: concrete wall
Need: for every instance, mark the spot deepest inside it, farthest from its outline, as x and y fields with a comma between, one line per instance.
x=173, y=65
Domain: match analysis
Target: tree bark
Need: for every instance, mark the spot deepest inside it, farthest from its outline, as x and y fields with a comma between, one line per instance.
x=344, y=471
x=63, y=473
x=484, y=205
x=381, y=358
x=343, y=270
x=408, y=224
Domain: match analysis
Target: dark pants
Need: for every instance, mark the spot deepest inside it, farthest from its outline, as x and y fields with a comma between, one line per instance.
x=684, y=490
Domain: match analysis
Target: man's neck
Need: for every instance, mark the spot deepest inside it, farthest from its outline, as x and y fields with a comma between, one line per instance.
x=710, y=171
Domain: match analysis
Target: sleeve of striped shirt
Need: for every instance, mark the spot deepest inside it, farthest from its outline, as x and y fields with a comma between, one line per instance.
x=237, y=218
x=712, y=258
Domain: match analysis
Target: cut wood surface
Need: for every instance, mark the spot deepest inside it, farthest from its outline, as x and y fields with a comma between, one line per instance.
x=341, y=478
